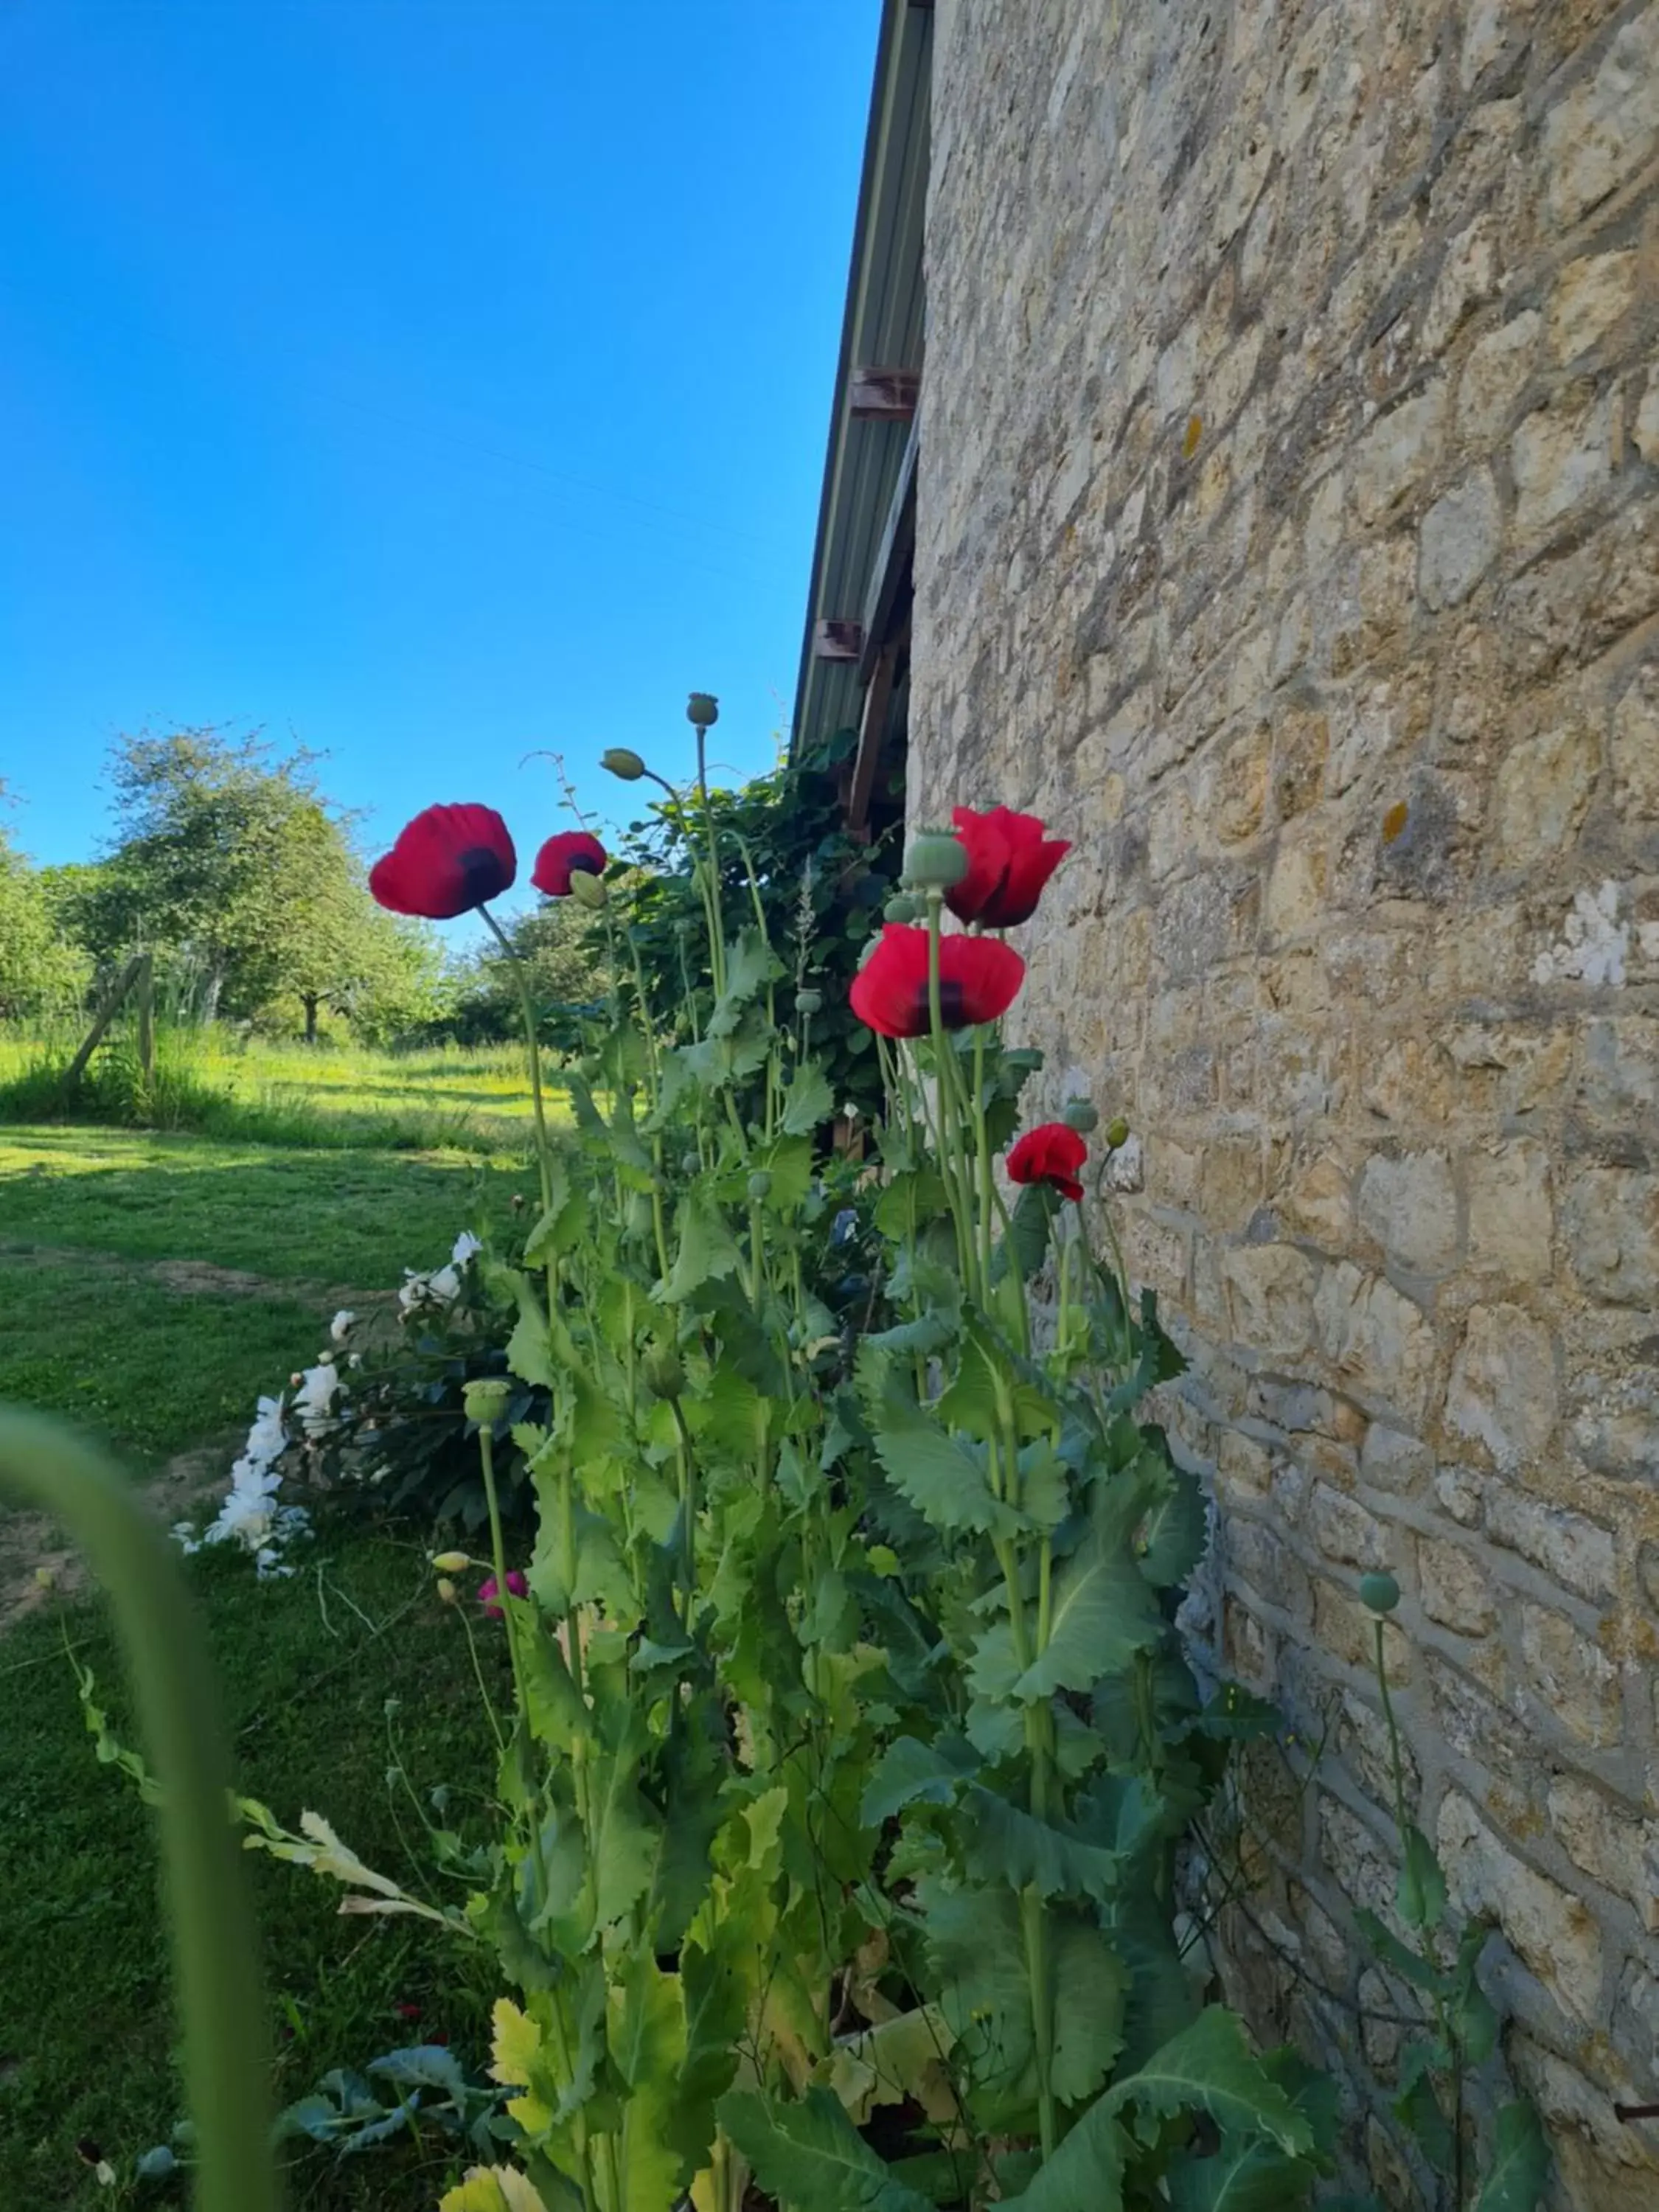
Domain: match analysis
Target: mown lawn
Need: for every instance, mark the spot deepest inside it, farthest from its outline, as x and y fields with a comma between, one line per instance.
x=112, y=1314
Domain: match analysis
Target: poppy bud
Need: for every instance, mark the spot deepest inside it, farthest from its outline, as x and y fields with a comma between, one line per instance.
x=760, y=1184
x=935, y=862
x=639, y=1213
x=1117, y=1133
x=690, y=1164
x=485, y=1399
x=703, y=709
x=1379, y=1593
x=451, y=1563
x=588, y=888
x=446, y=1592
x=622, y=761
x=664, y=1377
x=1081, y=1116
x=904, y=906
x=808, y=1002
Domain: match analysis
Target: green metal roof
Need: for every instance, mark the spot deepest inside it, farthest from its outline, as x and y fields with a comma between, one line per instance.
x=882, y=327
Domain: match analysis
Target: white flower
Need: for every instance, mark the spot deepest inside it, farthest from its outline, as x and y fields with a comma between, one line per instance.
x=267, y=1437
x=466, y=1244
x=340, y=1327
x=313, y=1401
x=445, y=1285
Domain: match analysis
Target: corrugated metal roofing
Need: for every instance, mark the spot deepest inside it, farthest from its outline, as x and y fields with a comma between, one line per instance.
x=884, y=328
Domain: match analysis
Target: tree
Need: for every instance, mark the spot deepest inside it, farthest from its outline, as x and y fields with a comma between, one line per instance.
x=562, y=949
x=41, y=971
x=232, y=858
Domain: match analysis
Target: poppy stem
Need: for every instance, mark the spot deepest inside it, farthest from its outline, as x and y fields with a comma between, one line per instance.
x=527, y=1006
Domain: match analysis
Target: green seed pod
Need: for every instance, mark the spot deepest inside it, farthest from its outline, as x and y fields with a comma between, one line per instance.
x=760, y=1184
x=809, y=1002
x=485, y=1399
x=588, y=888
x=664, y=1377
x=622, y=761
x=904, y=905
x=451, y=1563
x=690, y=1164
x=1379, y=1593
x=703, y=709
x=1080, y=1115
x=1117, y=1133
x=935, y=862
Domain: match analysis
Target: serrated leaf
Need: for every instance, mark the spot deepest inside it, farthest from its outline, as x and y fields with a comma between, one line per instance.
x=941, y=1475
x=1104, y=1613
x=1419, y=2108
x=1025, y=1241
x=914, y=1196
x=1002, y=1843
x=1246, y=2174
x=1422, y=1889
x=705, y=1249
x=1210, y=2067
x=530, y=1351
x=563, y=1223
x=808, y=1101
x=1174, y=1535
x=1519, y=2168
x=897, y=2058
x=1091, y=1986
x=1419, y=1972
x=911, y=1773
x=426, y=2066
x=1085, y=2174
x=493, y=2189
x=749, y=967
x=811, y=2157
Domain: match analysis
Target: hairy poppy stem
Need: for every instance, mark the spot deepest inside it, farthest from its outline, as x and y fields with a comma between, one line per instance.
x=527, y=1006
x=227, y=2061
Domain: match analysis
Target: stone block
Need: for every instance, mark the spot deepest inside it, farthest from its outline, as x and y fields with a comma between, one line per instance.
x=1591, y=294
x=1621, y=1068
x=1560, y=456
x=1574, y=1677
x=1473, y=1725
x=1408, y=1205
x=1397, y=452
x=1611, y=1217
x=1636, y=747
x=1345, y=1529
x=1543, y=791
x=1606, y=126
x=1296, y=887
x=1455, y=1588
x=1577, y=1552
x=1459, y=541
x=1319, y=1203
x=1503, y=1393
x=1378, y=1341
x=1511, y=1215
x=1467, y=276
x=1270, y=1299
x=1609, y=1842
x=1461, y=1494
x=1554, y=1931
x=1390, y=1459
x=1495, y=375
x=1345, y=1630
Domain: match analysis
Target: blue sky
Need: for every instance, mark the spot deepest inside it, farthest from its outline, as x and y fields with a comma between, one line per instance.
x=427, y=380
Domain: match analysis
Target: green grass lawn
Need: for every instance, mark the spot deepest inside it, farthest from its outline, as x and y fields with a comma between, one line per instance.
x=349, y=1218
x=111, y=1314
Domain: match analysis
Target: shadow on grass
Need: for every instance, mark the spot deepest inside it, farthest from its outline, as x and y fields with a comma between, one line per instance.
x=348, y=1218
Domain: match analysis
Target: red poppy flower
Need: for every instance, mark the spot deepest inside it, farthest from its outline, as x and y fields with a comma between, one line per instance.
x=445, y=862
x=560, y=855
x=1009, y=861
x=978, y=980
x=489, y=1591
x=1051, y=1154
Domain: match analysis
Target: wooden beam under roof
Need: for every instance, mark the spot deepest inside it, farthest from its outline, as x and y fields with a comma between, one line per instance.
x=883, y=395
x=838, y=641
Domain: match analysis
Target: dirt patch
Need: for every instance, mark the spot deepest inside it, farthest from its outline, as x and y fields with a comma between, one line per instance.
x=32, y=1544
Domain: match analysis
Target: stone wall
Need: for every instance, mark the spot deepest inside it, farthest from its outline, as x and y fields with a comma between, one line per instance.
x=1290, y=539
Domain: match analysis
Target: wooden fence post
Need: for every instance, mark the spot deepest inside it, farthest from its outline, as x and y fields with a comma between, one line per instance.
x=146, y=996
x=122, y=984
